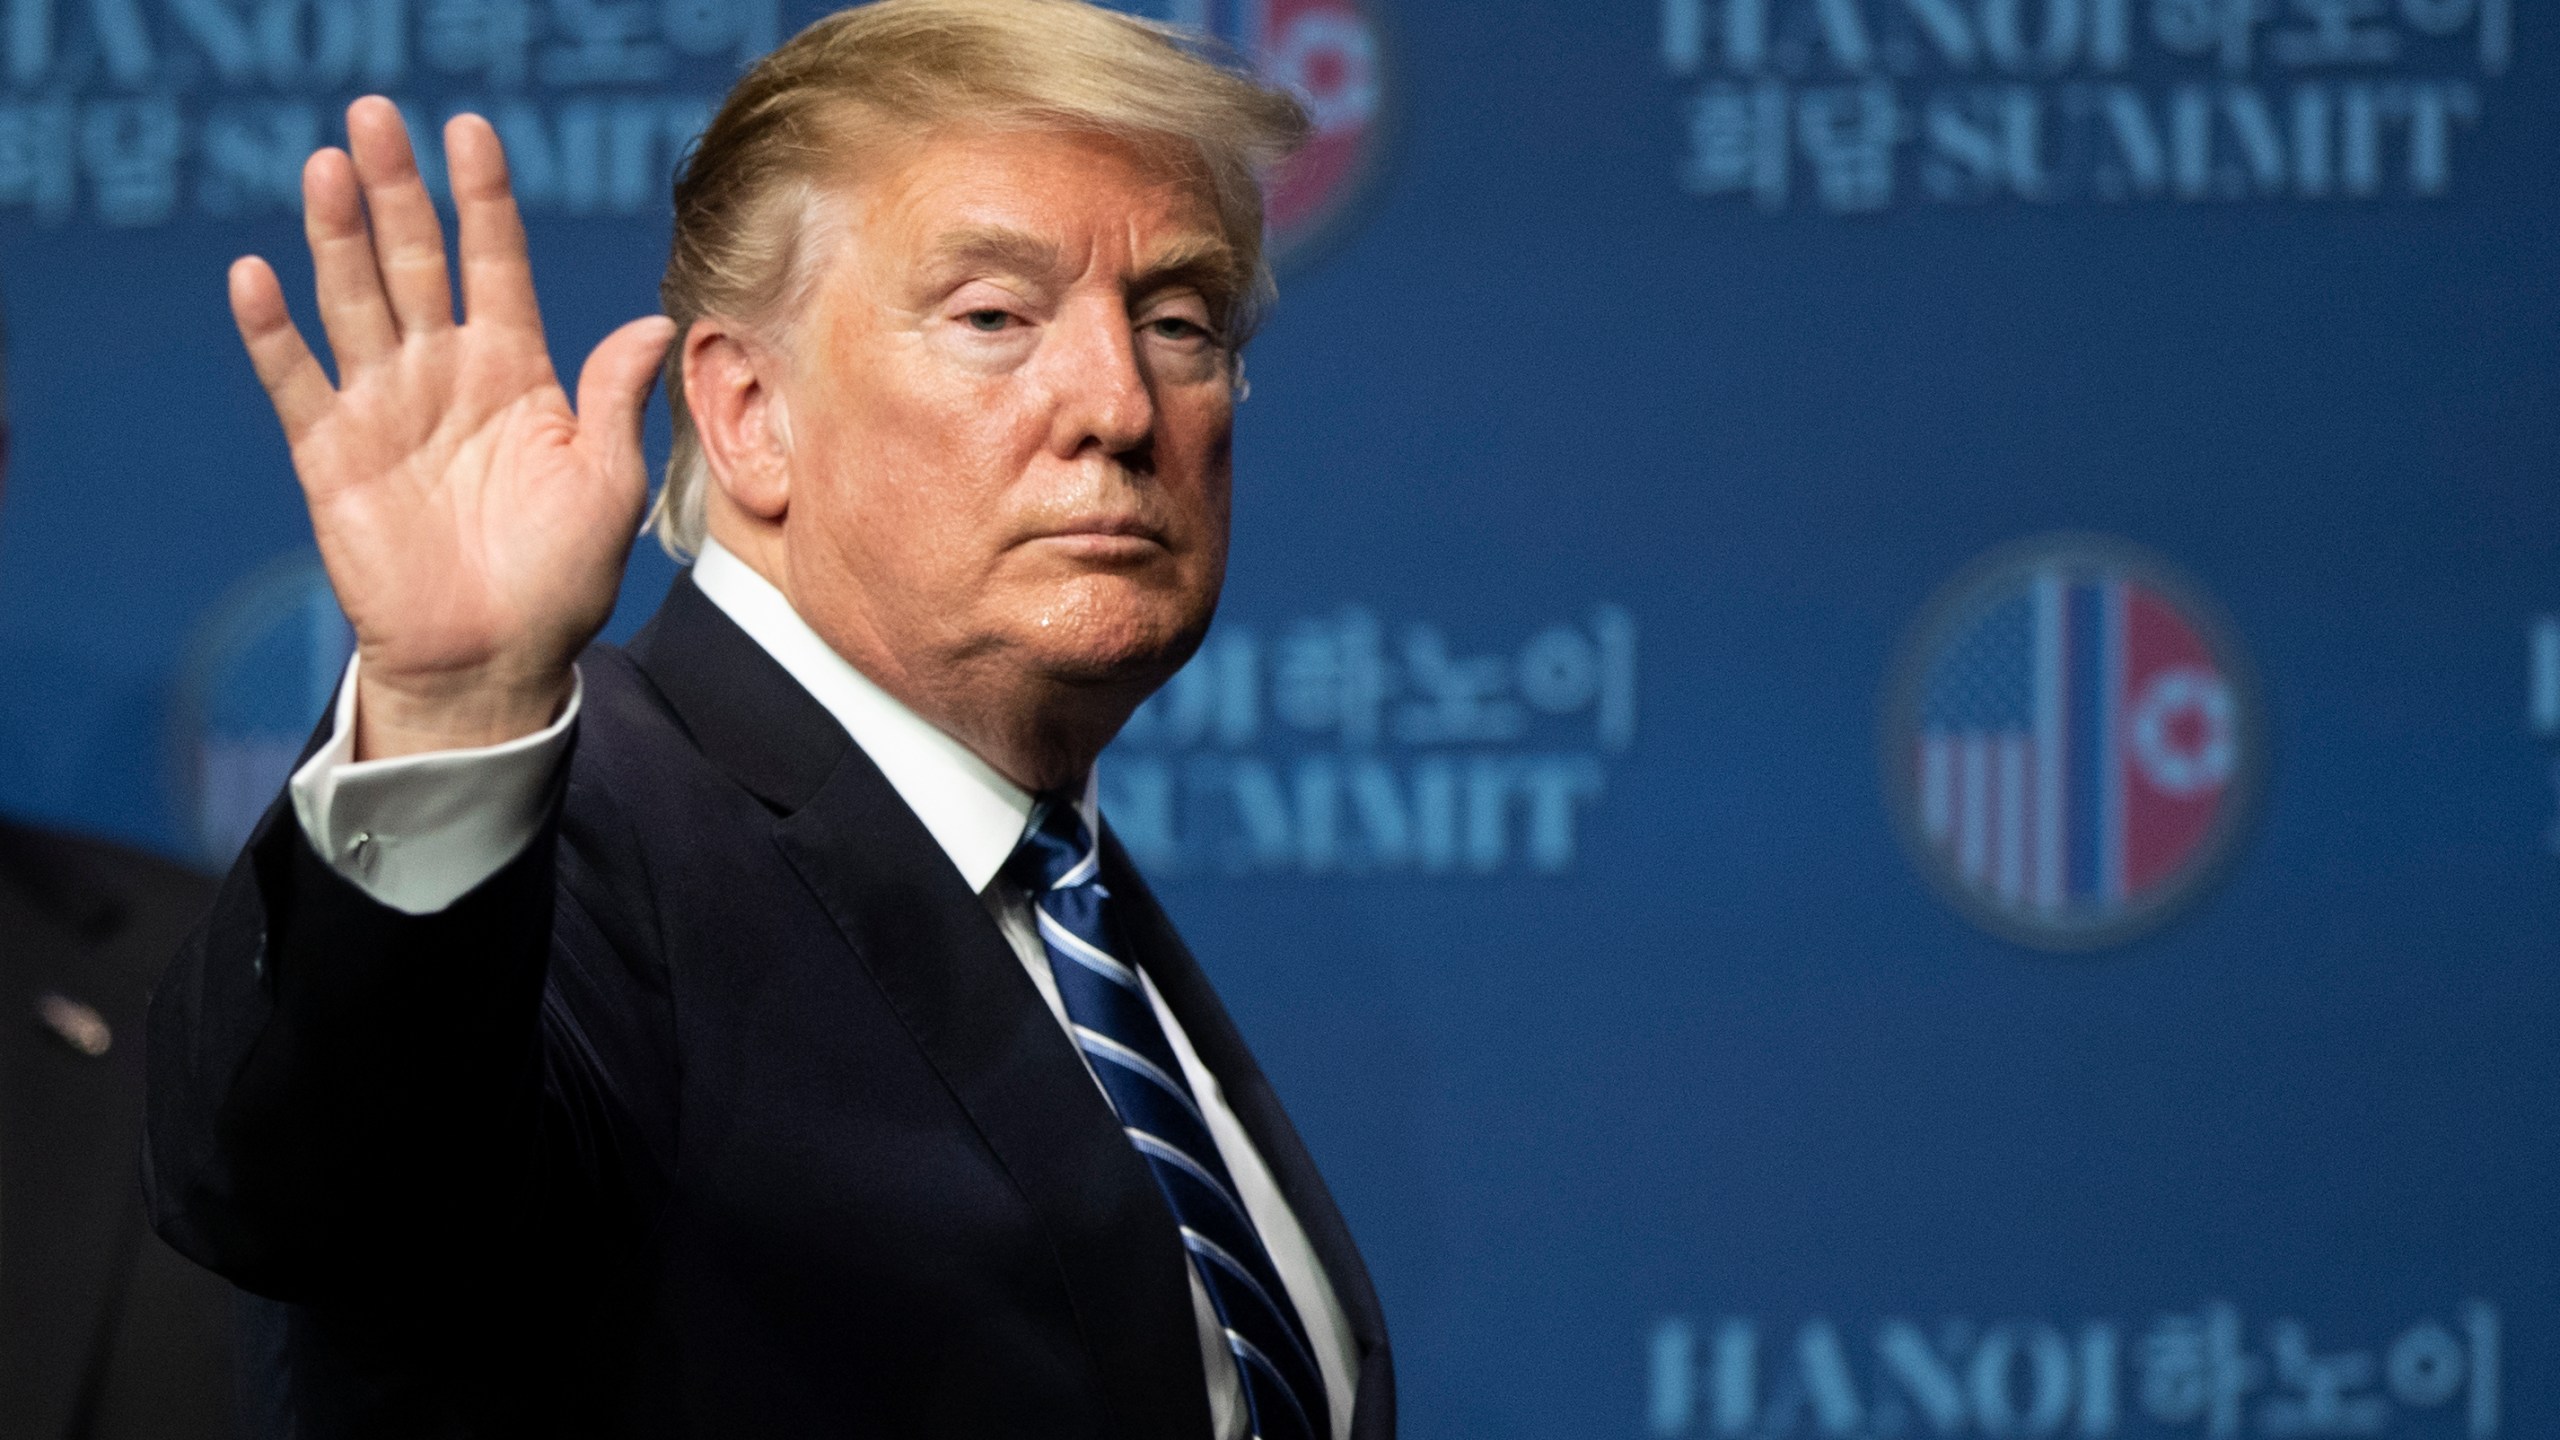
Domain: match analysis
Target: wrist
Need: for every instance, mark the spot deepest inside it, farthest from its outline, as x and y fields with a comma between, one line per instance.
x=411, y=715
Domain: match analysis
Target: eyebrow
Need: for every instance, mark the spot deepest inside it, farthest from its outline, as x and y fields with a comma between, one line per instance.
x=1207, y=261
x=994, y=247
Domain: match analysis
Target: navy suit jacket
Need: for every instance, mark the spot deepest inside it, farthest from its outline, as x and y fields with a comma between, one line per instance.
x=724, y=1109
x=104, y=1334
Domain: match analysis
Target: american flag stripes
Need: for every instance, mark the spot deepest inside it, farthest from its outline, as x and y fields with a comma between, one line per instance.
x=2074, y=738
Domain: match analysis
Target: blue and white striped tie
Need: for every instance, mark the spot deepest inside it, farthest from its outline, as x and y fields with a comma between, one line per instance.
x=1059, y=863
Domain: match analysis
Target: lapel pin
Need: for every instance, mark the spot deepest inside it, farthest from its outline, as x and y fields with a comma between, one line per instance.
x=79, y=1026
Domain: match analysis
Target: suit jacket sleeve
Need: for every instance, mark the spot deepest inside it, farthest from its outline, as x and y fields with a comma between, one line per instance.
x=344, y=1098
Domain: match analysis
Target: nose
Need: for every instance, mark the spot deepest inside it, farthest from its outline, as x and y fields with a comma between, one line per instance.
x=1105, y=403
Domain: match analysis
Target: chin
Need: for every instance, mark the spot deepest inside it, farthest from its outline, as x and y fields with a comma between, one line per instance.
x=1105, y=635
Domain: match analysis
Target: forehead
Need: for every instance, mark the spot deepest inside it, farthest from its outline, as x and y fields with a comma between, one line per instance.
x=1059, y=198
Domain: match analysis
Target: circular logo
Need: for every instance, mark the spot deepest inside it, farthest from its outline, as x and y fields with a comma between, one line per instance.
x=2072, y=742
x=1331, y=54
x=263, y=666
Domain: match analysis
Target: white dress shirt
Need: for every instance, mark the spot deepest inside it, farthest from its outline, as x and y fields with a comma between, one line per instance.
x=419, y=832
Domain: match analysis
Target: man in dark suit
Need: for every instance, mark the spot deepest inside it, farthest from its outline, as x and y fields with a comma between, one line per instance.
x=104, y=1331
x=756, y=1031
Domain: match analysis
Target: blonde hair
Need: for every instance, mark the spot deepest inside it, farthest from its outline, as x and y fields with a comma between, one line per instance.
x=800, y=119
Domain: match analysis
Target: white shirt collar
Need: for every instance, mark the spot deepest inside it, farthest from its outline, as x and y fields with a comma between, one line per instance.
x=975, y=814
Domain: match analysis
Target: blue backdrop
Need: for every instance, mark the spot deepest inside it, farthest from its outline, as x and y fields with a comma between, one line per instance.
x=1689, y=1054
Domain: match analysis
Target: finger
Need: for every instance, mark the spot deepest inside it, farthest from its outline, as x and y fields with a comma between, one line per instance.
x=497, y=278
x=408, y=240
x=285, y=365
x=613, y=386
x=352, y=308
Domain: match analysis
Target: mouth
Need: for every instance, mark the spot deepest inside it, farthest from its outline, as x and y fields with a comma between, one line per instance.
x=1103, y=539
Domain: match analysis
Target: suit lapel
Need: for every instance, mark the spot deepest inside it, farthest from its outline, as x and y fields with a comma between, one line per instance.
x=935, y=953
x=69, y=1138
x=1204, y=1018
x=746, y=712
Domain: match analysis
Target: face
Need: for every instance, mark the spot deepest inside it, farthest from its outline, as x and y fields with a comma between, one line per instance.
x=1009, y=413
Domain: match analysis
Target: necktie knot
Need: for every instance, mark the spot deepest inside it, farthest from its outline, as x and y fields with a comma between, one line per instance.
x=1057, y=848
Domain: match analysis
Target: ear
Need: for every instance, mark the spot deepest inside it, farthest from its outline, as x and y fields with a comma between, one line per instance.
x=731, y=389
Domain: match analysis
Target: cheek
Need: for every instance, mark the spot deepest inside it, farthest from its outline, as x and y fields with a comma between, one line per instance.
x=898, y=470
x=950, y=429
x=1204, y=446
x=1211, y=504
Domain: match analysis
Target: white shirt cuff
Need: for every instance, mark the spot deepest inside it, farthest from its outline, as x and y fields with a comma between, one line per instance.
x=419, y=832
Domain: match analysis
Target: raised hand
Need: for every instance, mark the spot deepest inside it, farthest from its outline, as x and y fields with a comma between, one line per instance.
x=473, y=524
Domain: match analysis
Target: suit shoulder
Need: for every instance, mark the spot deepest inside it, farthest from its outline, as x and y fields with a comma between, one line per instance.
x=655, y=803
x=634, y=757
x=623, y=715
x=97, y=886
x=638, y=785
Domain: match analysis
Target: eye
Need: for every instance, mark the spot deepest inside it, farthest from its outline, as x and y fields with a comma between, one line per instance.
x=987, y=322
x=1174, y=327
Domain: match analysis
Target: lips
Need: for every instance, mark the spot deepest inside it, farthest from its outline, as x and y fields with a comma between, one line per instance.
x=1103, y=531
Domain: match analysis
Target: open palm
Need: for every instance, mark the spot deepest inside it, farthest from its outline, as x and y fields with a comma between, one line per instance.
x=474, y=525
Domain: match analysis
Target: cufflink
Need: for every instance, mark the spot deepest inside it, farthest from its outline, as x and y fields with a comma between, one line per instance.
x=75, y=1024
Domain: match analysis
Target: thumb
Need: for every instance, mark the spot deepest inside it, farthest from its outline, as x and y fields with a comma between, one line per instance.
x=614, y=384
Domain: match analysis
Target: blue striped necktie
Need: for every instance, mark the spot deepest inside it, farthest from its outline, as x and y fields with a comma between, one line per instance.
x=1059, y=863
